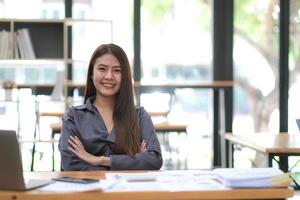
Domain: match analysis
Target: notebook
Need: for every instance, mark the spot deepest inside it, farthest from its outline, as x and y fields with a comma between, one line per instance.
x=253, y=177
x=11, y=170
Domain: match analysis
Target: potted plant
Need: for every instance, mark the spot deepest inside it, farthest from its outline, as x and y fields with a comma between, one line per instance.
x=8, y=85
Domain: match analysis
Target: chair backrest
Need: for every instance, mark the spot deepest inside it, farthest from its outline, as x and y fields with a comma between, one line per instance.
x=58, y=90
x=298, y=123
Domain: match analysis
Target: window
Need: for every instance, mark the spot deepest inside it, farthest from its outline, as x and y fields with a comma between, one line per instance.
x=46, y=9
x=176, y=46
x=120, y=31
x=294, y=65
x=256, y=94
x=176, y=41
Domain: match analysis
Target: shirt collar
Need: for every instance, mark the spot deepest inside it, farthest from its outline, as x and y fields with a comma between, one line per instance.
x=88, y=104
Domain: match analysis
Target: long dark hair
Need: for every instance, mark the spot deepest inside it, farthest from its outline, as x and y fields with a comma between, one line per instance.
x=124, y=115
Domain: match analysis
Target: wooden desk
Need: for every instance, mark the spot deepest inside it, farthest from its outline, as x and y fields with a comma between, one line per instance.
x=159, y=127
x=58, y=114
x=263, y=193
x=51, y=114
x=162, y=129
x=169, y=127
x=271, y=144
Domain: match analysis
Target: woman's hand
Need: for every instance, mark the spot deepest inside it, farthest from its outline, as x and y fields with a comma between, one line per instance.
x=78, y=149
x=143, y=146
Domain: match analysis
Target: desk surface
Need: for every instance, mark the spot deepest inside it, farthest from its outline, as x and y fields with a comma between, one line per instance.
x=267, y=142
x=264, y=193
x=159, y=127
x=208, y=84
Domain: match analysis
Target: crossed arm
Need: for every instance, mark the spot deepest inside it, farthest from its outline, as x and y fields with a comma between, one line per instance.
x=76, y=147
x=75, y=155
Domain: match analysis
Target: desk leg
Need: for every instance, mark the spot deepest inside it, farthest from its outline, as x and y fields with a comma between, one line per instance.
x=230, y=160
x=284, y=163
x=53, y=158
x=35, y=134
x=221, y=147
x=270, y=159
x=216, y=124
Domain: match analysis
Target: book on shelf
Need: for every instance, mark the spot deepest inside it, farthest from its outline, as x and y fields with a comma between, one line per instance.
x=16, y=49
x=253, y=177
x=24, y=44
x=5, y=45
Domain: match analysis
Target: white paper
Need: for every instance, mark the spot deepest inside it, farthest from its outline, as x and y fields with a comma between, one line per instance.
x=132, y=177
x=59, y=186
x=180, y=180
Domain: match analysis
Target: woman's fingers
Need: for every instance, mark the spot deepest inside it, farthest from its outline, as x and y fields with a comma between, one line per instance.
x=75, y=142
x=76, y=145
x=78, y=142
x=143, y=146
x=73, y=151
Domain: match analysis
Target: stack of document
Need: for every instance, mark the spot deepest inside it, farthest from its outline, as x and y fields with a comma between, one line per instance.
x=253, y=177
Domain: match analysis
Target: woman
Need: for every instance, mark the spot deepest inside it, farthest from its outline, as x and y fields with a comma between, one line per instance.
x=108, y=132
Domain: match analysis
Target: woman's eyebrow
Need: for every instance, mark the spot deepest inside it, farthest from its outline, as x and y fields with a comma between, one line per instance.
x=100, y=64
x=115, y=66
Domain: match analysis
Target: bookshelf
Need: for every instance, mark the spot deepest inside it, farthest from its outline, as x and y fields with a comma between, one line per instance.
x=58, y=45
x=62, y=49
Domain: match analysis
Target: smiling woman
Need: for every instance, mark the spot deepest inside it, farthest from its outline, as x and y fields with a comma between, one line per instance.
x=107, y=75
x=108, y=131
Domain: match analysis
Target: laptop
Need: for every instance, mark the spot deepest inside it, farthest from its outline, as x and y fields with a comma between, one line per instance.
x=11, y=170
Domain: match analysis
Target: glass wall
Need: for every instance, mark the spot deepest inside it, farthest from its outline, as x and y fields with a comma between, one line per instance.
x=176, y=41
x=176, y=47
x=294, y=65
x=256, y=93
x=117, y=28
x=45, y=9
x=294, y=76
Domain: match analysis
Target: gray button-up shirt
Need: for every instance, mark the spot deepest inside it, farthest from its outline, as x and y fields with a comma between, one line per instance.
x=86, y=123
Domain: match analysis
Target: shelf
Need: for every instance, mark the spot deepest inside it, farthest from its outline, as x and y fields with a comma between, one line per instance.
x=51, y=61
x=47, y=37
x=57, y=45
x=206, y=84
x=13, y=20
x=70, y=61
x=5, y=25
x=70, y=21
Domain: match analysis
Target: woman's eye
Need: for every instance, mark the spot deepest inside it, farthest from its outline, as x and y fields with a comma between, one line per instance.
x=101, y=68
x=117, y=70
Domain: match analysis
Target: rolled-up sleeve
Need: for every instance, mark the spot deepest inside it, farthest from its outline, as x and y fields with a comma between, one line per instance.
x=150, y=159
x=69, y=161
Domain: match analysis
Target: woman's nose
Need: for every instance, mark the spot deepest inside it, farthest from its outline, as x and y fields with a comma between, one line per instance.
x=109, y=74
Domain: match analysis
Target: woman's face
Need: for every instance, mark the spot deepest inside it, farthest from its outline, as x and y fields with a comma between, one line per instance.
x=107, y=75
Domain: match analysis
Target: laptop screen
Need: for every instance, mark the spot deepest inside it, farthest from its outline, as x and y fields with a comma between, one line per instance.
x=11, y=171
